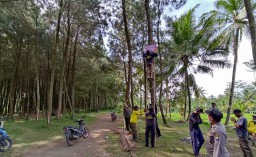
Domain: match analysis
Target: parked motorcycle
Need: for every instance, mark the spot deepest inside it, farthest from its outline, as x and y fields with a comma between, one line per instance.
x=5, y=141
x=73, y=133
x=113, y=116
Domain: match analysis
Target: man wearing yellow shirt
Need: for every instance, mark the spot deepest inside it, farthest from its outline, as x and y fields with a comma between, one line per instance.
x=134, y=120
x=252, y=126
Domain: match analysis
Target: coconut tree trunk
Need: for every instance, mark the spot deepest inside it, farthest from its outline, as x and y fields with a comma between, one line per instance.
x=128, y=41
x=187, y=84
x=52, y=66
x=252, y=27
x=233, y=77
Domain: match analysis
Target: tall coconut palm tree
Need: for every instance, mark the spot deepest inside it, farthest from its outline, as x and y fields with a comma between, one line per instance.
x=195, y=52
x=231, y=20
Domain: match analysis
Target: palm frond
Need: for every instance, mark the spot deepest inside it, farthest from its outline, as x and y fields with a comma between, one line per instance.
x=216, y=63
x=204, y=69
x=192, y=83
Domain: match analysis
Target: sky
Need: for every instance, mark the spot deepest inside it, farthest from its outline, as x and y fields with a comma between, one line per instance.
x=216, y=84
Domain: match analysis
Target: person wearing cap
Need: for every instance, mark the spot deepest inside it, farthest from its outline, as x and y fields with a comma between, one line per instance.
x=242, y=133
x=127, y=116
x=196, y=134
x=252, y=126
x=150, y=126
x=216, y=136
x=134, y=121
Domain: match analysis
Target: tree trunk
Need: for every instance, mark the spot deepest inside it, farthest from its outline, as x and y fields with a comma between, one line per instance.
x=73, y=73
x=128, y=41
x=160, y=62
x=52, y=67
x=187, y=85
x=64, y=60
x=251, y=19
x=37, y=72
x=233, y=77
x=145, y=84
x=14, y=80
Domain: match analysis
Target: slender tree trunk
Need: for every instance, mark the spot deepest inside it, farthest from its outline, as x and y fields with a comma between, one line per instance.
x=185, y=100
x=160, y=62
x=73, y=73
x=132, y=92
x=52, y=67
x=233, y=77
x=14, y=80
x=252, y=26
x=187, y=84
x=128, y=41
x=145, y=83
x=64, y=60
x=150, y=41
x=150, y=30
x=37, y=72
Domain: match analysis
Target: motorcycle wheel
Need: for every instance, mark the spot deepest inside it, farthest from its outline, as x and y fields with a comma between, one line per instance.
x=71, y=141
x=85, y=132
x=6, y=144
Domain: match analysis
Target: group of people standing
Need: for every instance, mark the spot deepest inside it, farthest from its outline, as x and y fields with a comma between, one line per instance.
x=217, y=135
x=131, y=119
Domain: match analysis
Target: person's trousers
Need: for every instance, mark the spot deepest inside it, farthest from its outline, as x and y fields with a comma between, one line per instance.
x=197, y=139
x=150, y=130
x=244, y=145
x=127, y=123
x=134, y=131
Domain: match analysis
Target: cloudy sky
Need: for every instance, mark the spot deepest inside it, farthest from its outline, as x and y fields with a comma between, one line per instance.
x=217, y=84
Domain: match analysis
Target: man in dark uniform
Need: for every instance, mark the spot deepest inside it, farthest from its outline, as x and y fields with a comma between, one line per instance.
x=196, y=134
x=150, y=126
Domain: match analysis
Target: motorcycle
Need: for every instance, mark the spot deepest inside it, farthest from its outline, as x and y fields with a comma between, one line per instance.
x=73, y=133
x=113, y=116
x=5, y=141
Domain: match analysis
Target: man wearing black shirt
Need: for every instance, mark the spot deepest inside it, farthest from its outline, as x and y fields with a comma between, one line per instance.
x=197, y=137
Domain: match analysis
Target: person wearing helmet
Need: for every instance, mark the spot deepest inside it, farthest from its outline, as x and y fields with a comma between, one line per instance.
x=150, y=126
x=216, y=136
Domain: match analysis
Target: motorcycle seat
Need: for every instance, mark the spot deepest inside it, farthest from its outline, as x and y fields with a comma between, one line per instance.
x=79, y=120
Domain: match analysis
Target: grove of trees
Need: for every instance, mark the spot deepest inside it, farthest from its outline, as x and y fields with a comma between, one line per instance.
x=66, y=56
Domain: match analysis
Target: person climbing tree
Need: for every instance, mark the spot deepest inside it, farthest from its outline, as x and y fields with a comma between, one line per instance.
x=149, y=56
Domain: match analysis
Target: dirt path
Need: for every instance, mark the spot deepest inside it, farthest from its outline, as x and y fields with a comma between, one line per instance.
x=93, y=146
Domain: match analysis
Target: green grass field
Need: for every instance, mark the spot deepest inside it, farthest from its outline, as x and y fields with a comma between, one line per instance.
x=29, y=133
x=170, y=143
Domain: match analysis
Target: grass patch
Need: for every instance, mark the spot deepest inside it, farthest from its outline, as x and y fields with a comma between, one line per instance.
x=30, y=133
x=170, y=143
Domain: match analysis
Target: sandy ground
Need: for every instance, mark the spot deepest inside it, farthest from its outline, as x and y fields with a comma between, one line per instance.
x=93, y=146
